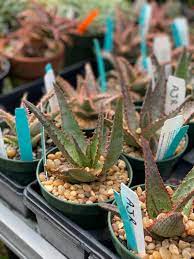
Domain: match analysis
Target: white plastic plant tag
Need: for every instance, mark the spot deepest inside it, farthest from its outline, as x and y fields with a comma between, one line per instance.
x=162, y=49
x=49, y=80
x=168, y=132
x=132, y=205
x=181, y=31
x=3, y=152
x=175, y=93
x=168, y=70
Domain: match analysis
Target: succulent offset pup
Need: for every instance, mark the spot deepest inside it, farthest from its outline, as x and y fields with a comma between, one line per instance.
x=10, y=137
x=152, y=115
x=86, y=101
x=82, y=156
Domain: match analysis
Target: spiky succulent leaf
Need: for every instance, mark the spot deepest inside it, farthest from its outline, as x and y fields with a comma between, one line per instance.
x=85, y=160
x=129, y=107
x=185, y=200
x=168, y=226
x=157, y=197
x=94, y=149
x=67, y=88
x=183, y=65
x=62, y=140
x=116, y=138
x=91, y=83
x=186, y=109
x=183, y=190
x=79, y=175
x=7, y=118
x=109, y=207
x=69, y=124
x=154, y=101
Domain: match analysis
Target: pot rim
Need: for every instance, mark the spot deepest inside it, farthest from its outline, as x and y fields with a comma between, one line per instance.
x=164, y=160
x=19, y=161
x=130, y=173
x=60, y=52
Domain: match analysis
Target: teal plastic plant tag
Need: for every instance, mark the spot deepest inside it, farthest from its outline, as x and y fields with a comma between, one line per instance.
x=132, y=206
x=180, y=32
x=23, y=134
x=131, y=242
x=177, y=139
x=108, y=39
x=101, y=67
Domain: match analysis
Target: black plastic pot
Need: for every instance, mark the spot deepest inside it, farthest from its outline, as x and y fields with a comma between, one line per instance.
x=71, y=240
x=165, y=166
x=82, y=48
x=5, y=70
x=21, y=172
x=191, y=135
x=12, y=193
x=82, y=214
x=36, y=89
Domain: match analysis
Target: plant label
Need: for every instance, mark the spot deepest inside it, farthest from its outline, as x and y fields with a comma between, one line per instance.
x=23, y=134
x=101, y=67
x=168, y=132
x=162, y=49
x=175, y=93
x=144, y=18
x=108, y=39
x=3, y=152
x=49, y=80
x=132, y=206
x=131, y=241
x=176, y=140
x=180, y=32
x=83, y=26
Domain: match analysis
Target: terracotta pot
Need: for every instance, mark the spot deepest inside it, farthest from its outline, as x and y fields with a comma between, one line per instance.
x=33, y=67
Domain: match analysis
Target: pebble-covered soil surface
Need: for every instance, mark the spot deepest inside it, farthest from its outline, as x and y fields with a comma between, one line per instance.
x=97, y=191
x=171, y=248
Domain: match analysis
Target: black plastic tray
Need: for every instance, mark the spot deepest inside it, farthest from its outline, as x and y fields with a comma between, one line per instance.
x=66, y=236
x=12, y=193
x=36, y=88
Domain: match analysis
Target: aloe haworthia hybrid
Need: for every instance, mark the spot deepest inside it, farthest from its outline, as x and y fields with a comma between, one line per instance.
x=83, y=155
x=87, y=99
x=166, y=211
x=34, y=125
x=152, y=116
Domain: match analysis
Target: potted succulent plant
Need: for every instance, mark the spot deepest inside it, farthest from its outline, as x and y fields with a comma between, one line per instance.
x=86, y=100
x=84, y=171
x=20, y=171
x=148, y=121
x=38, y=41
x=167, y=212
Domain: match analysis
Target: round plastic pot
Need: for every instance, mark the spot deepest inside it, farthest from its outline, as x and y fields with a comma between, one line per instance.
x=121, y=248
x=82, y=48
x=21, y=172
x=88, y=216
x=31, y=68
x=191, y=135
x=5, y=70
x=164, y=166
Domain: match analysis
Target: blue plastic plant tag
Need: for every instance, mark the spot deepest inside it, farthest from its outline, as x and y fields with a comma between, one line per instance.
x=131, y=242
x=180, y=32
x=48, y=67
x=132, y=205
x=178, y=137
x=108, y=39
x=101, y=67
x=23, y=134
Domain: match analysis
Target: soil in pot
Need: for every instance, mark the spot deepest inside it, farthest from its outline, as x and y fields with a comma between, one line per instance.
x=170, y=248
x=79, y=201
x=135, y=157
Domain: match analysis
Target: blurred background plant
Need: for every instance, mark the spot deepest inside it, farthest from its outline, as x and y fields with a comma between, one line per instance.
x=9, y=10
